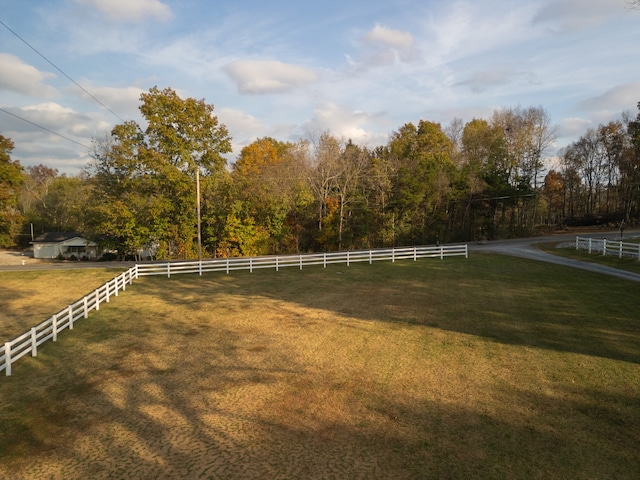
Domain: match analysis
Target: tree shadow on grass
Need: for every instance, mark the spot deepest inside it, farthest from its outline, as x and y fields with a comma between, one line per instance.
x=231, y=410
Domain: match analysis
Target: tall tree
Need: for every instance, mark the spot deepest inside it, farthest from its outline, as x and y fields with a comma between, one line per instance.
x=150, y=176
x=11, y=180
x=422, y=154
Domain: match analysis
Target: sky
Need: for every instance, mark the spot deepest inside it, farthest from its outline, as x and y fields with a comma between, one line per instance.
x=290, y=70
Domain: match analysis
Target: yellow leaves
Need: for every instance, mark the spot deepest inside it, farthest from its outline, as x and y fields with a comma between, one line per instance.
x=253, y=157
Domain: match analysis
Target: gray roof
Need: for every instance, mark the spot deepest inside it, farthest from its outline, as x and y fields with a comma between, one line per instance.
x=56, y=237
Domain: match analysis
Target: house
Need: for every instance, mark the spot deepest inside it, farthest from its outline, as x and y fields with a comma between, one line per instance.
x=65, y=244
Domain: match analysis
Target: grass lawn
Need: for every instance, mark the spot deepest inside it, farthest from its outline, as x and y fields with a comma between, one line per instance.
x=487, y=367
x=28, y=298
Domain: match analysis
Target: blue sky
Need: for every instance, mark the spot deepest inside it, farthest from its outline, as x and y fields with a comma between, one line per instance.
x=359, y=69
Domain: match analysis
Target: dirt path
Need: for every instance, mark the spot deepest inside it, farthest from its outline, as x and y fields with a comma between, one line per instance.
x=8, y=257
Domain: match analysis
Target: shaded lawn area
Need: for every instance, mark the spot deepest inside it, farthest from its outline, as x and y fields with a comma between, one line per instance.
x=490, y=367
x=29, y=298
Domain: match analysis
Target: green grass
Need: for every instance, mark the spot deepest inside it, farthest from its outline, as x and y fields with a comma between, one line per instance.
x=489, y=367
x=625, y=263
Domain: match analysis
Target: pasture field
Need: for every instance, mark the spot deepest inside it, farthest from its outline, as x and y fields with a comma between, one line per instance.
x=28, y=298
x=487, y=367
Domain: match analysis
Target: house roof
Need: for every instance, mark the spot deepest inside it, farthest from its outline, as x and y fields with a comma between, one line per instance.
x=56, y=237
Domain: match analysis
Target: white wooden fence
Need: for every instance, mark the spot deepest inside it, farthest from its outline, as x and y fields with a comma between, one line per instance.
x=609, y=247
x=280, y=261
x=28, y=342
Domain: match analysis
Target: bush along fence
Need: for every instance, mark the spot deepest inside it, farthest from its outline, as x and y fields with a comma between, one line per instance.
x=609, y=247
x=28, y=342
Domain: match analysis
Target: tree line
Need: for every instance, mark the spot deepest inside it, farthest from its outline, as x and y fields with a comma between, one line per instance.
x=168, y=187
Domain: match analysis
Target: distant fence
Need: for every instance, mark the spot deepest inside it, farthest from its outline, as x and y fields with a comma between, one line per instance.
x=609, y=247
x=28, y=342
x=280, y=261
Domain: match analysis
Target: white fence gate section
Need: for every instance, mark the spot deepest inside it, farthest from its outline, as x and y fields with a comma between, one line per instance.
x=28, y=342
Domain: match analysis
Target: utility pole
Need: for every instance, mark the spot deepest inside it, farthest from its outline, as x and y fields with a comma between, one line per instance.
x=198, y=210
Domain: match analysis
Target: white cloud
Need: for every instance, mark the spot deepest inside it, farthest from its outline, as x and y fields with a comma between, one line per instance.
x=620, y=97
x=130, y=10
x=264, y=77
x=41, y=146
x=381, y=35
x=344, y=123
x=384, y=46
x=16, y=76
x=124, y=101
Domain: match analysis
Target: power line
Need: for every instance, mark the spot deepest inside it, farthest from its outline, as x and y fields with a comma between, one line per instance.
x=60, y=70
x=43, y=128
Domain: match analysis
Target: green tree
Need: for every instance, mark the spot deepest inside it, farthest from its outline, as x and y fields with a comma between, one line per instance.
x=270, y=176
x=422, y=187
x=11, y=180
x=150, y=176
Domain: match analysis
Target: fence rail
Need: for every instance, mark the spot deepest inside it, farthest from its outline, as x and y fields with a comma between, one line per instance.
x=28, y=342
x=299, y=261
x=609, y=247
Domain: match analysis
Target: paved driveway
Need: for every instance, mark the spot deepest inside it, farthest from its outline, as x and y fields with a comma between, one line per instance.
x=524, y=247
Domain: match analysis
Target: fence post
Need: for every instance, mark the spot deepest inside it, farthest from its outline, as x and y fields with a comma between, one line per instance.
x=34, y=343
x=107, y=288
x=324, y=259
x=604, y=247
x=227, y=265
x=577, y=243
x=250, y=264
x=620, y=251
x=136, y=267
x=347, y=258
x=589, y=244
x=277, y=265
x=466, y=251
x=168, y=269
x=370, y=259
x=300, y=261
x=115, y=281
x=70, y=315
x=7, y=359
x=393, y=255
x=415, y=253
x=97, y=292
x=200, y=267
x=441, y=252
x=124, y=281
x=54, y=327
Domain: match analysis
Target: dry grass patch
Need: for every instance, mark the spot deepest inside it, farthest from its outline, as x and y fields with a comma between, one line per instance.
x=28, y=298
x=489, y=367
